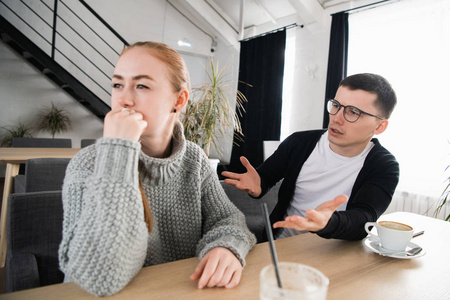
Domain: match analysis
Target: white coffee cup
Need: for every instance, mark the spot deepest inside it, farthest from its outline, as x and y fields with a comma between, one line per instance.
x=391, y=235
x=298, y=281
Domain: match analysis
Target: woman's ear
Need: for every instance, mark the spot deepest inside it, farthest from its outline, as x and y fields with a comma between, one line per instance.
x=381, y=126
x=182, y=99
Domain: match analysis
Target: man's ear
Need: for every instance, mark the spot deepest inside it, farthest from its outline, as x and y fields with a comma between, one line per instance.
x=381, y=126
x=182, y=99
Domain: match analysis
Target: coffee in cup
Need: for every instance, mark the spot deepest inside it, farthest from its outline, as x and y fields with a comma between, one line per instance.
x=391, y=235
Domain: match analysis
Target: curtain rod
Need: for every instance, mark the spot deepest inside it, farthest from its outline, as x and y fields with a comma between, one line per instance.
x=293, y=25
x=367, y=6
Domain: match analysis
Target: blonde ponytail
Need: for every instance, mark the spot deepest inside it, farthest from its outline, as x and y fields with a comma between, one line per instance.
x=147, y=211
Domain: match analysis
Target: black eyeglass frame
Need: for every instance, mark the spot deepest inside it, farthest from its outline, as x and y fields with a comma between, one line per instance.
x=334, y=101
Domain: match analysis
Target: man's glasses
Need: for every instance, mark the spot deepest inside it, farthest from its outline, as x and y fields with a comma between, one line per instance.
x=351, y=113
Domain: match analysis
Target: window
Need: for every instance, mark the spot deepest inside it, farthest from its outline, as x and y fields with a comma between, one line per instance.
x=408, y=43
x=289, y=65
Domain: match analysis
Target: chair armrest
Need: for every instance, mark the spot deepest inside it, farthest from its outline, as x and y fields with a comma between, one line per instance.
x=22, y=272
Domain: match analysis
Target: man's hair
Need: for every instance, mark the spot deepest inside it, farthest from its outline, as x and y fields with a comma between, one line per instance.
x=376, y=84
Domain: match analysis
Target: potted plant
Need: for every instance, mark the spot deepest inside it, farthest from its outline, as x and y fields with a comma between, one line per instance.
x=54, y=120
x=444, y=198
x=20, y=130
x=209, y=114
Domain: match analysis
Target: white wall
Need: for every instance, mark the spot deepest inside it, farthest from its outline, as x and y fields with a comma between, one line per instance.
x=25, y=91
x=309, y=82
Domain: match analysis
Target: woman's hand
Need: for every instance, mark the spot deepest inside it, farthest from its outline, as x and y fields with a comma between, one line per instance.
x=124, y=123
x=219, y=267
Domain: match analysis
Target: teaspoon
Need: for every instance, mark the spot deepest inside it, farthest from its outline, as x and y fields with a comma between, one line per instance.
x=410, y=252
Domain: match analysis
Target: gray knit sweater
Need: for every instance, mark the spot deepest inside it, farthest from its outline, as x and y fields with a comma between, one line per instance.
x=105, y=239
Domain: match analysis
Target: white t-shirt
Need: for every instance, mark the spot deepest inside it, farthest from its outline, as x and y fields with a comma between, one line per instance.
x=324, y=176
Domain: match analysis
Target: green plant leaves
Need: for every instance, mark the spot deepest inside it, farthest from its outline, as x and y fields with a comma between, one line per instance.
x=54, y=120
x=444, y=199
x=209, y=113
x=20, y=130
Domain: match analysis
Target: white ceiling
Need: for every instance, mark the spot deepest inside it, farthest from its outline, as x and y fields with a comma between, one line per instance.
x=258, y=16
x=256, y=12
x=259, y=12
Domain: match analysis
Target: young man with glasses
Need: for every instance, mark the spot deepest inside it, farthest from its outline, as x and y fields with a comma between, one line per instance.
x=343, y=163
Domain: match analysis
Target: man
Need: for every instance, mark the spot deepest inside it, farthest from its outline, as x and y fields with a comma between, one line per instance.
x=344, y=160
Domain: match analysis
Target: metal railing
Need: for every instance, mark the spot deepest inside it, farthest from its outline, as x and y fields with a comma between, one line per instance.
x=73, y=34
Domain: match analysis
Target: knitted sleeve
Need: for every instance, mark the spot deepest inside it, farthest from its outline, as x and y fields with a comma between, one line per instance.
x=104, y=240
x=223, y=223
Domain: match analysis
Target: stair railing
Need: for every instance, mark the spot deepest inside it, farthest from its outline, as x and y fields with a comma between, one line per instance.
x=73, y=35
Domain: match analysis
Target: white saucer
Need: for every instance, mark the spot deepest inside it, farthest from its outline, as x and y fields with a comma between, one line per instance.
x=375, y=246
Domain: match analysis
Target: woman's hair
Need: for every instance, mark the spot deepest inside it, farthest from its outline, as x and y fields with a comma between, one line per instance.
x=178, y=72
x=147, y=211
x=179, y=79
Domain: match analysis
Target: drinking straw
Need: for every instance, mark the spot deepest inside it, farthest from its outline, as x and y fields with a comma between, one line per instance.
x=273, y=251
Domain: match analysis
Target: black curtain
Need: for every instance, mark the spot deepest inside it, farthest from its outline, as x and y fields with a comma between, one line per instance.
x=337, y=58
x=261, y=66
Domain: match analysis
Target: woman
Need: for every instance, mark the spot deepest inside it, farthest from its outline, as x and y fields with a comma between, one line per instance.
x=143, y=195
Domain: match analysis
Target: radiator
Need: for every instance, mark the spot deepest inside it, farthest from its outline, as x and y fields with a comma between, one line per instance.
x=419, y=204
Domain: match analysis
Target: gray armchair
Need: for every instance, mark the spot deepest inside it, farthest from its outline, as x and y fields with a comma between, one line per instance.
x=34, y=232
x=41, y=143
x=41, y=174
x=87, y=142
x=251, y=207
x=37, y=143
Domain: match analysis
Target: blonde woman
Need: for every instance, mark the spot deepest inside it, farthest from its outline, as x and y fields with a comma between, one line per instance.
x=143, y=195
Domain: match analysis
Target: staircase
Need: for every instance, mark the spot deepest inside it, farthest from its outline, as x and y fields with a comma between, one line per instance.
x=79, y=68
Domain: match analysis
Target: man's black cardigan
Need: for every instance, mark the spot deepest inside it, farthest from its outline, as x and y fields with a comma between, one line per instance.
x=371, y=194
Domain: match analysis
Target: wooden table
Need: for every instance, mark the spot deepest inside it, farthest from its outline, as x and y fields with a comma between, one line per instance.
x=13, y=157
x=354, y=271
